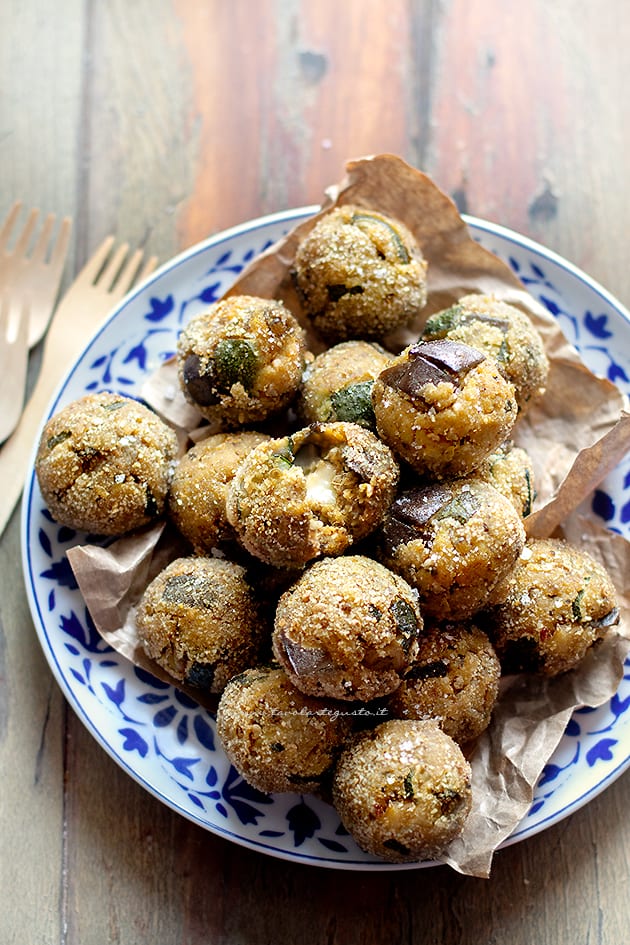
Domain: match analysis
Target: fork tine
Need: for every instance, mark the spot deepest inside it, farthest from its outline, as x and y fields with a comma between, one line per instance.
x=127, y=274
x=60, y=249
x=25, y=236
x=9, y=223
x=4, y=316
x=147, y=269
x=96, y=262
x=14, y=325
x=112, y=270
x=131, y=274
x=41, y=246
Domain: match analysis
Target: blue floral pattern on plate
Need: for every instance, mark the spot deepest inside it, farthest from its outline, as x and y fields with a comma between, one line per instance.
x=164, y=739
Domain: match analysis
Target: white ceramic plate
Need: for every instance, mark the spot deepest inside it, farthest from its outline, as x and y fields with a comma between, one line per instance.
x=165, y=740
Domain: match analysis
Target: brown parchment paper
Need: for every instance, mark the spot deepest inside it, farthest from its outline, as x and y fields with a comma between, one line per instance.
x=575, y=435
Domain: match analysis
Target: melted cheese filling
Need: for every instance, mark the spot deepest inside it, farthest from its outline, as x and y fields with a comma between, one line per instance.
x=319, y=477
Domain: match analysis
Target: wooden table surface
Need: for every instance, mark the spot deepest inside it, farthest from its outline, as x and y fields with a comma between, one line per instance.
x=164, y=121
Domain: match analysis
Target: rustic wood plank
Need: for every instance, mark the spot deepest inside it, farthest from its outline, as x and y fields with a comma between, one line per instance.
x=38, y=159
x=524, y=104
x=165, y=122
x=273, y=130
x=135, y=169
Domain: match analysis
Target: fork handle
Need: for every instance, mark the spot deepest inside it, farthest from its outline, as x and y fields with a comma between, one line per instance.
x=60, y=349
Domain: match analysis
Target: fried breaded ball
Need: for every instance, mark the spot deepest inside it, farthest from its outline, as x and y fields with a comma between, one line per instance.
x=403, y=790
x=453, y=542
x=310, y=494
x=454, y=681
x=104, y=464
x=276, y=737
x=337, y=385
x=502, y=331
x=241, y=360
x=200, y=621
x=198, y=492
x=347, y=629
x=359, y=274
x=511, y=471
x=559, y=601
x=443, y=407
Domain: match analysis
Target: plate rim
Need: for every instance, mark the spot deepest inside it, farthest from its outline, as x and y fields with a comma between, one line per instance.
x=279, y=217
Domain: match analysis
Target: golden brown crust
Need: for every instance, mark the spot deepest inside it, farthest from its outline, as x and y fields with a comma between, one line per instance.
x=511, y=471
x=454, y=681
x=198, y=492
x=347, y=629
x=403, y=790
x=454, y=542
x=199, y=620
x=446, y=425
x=276, y=737
x=558, y=601
x=337, y=383
x=311, y=494
x=104, y=464
x=241, y=360
x=502, y=331
x=360, y=274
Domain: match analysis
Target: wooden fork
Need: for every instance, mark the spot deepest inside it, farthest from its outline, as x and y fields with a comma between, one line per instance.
x=34, y=277
x=108, y=275
x=13, y=362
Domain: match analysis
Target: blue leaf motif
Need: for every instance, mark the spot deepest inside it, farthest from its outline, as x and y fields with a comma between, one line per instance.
x=550, y=773
x=134, y=742
x=152, y=698
x=572, y=729
x=182, y=730
x=139, y=354
x=62, y=573
x=44, y=541
x=303, y=822
x=183, y=765
x=538, y=271
x=196, y=800
x=625, y=513
x=150, y=680
x=602, y=751
x=514, y=263
x=619, y=706
x=203, y=732
x=603, y=505
x=87, y=636
x=160, y=308
x=333, y=845
x=222, y=260
x=237, y=793
x=616, y=373
x=115, y=694
x=164, y=717
x=65, y=534
x=210, y=293
x=549, y=304
x=596, y=324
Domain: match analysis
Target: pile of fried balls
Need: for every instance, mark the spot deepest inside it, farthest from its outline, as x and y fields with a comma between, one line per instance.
x=359, y=576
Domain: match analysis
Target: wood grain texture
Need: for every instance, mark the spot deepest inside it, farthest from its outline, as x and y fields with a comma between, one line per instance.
x=167, y=120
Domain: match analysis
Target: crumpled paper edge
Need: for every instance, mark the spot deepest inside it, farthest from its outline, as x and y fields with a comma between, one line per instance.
x=458, y=265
